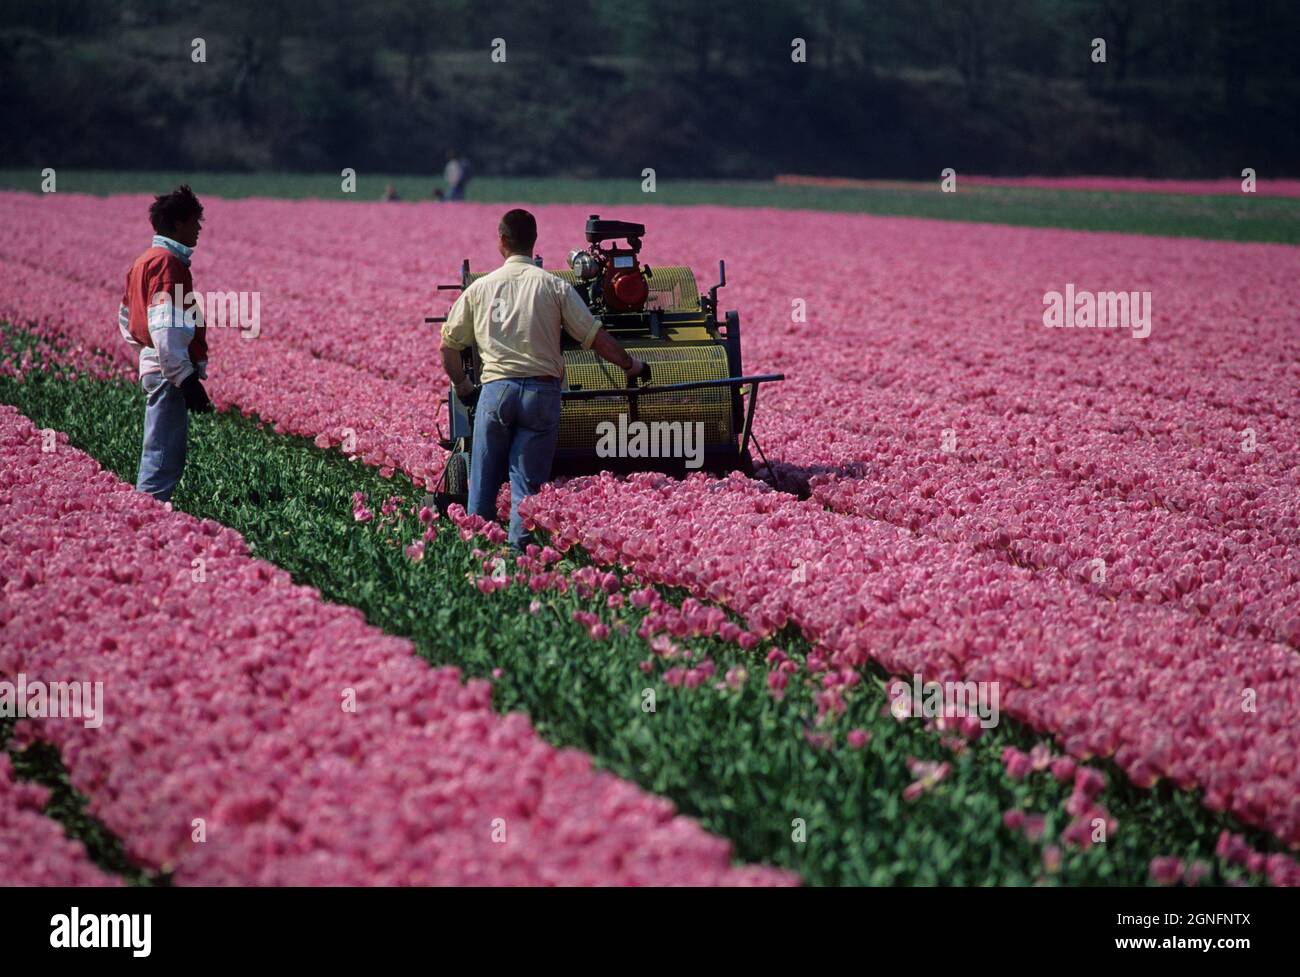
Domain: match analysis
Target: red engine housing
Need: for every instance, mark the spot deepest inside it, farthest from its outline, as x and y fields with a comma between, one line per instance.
x=623, y=286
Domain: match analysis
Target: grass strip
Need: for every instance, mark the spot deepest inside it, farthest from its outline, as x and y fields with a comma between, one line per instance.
x=1241, y=217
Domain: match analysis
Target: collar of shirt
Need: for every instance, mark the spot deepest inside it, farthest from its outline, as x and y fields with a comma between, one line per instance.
x=519, y=259
x=175, y=247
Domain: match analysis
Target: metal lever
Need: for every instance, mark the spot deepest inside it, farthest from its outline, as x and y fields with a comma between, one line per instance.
x=713, y=292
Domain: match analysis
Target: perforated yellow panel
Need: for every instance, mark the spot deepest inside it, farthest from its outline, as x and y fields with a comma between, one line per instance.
x=670, y=362
x=672, y=287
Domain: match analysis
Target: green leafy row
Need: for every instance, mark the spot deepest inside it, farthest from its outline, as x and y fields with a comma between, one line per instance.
x=736, y=759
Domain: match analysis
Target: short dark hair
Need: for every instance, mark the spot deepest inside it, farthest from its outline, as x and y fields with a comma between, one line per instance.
x=519, y=228
x=176, y=207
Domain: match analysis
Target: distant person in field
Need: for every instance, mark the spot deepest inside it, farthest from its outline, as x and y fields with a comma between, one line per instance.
x=390, y=193
x=514, y=316
x=160, y=319
x=456, y=173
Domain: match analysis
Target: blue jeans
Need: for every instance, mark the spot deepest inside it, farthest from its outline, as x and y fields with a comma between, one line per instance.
x=166, y=428
x=516, y=426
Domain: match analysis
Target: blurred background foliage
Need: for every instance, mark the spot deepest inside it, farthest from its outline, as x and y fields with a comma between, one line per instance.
x=891, y=88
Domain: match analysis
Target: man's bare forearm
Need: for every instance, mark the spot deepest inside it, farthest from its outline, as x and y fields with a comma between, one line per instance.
x=451, y=362
x=608, y=349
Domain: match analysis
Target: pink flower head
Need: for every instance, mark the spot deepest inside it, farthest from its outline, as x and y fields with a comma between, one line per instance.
x=1018, y=763
x=1052, y=859
x=858, y=738
x=1063, y=769
x=1166, y=870
x=1034, y=825
x=736, y=677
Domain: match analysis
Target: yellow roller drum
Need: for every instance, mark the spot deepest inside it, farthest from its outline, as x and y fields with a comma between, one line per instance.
x=670, y=362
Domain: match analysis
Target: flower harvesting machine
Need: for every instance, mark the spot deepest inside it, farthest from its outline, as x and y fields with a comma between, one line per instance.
x=696, y=410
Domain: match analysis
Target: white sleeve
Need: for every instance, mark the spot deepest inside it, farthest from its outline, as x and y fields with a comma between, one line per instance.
x=171, y=336
x=124, y=327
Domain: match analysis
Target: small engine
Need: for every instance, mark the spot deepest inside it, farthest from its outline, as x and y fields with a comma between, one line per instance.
x=611, y=277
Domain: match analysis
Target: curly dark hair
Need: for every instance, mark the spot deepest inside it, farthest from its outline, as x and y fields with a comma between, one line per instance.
x=176, y=207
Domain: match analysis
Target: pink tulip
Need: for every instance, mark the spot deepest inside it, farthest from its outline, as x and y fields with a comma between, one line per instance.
x=1018, y=764
x=1063, y=769
x=776, y=683
x=1052, y=859
x=1167, y=870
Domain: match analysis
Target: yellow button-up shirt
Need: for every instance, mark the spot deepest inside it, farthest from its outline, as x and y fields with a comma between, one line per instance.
x=514, y=316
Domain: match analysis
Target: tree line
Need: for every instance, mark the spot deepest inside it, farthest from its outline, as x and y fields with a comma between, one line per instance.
x=728, y=88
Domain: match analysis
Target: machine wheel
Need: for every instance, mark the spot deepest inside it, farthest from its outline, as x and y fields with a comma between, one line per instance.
x=457, y=477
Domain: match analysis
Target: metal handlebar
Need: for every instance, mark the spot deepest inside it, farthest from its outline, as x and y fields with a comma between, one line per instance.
x=671, y=387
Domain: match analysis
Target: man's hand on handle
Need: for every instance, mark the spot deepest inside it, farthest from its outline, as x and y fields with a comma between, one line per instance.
x=638, y=370
x=468, y=391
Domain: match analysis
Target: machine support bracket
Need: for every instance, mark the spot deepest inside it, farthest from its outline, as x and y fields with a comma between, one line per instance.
x=749, y=418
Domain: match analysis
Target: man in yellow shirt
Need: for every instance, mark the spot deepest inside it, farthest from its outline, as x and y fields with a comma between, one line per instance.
x=514, y=316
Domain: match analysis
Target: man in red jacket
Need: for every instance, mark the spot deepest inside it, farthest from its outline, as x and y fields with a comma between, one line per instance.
x=160, y=318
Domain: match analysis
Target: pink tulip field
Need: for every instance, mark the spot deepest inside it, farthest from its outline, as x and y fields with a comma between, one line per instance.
x=247, y=739
x=1106, y=527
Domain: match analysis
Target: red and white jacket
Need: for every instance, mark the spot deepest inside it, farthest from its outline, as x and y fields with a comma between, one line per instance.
x=160, y=316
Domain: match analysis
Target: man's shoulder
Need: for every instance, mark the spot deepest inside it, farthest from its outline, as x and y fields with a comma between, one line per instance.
x=158, y=260
x=516, y=271
x=484, y=281
x=540, y=277
x=535, y=273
